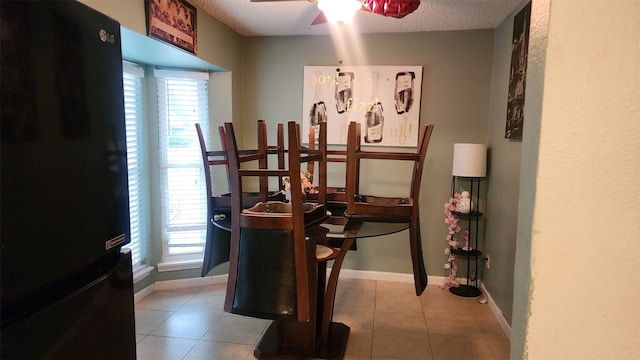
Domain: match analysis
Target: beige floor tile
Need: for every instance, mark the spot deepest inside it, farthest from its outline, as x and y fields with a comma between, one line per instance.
x=452, y=324
x=399, y=302
x=491, y=328
x=204, y=304
x=362, y=284
x=395, y=286
x=186, y=325
x=159, y=347
x=458, y=347
x=441, y=300
x=188, y=290
x=239, y=330
x=360, y=342
x=355, y=297
x=208, y=350
x=148, y=320
x=164, y=300
x=387, y=321
x=399, y=321
x=400, y=345
x=500, y=348
x=481, y=311
x=214, y=289
x=353, y=316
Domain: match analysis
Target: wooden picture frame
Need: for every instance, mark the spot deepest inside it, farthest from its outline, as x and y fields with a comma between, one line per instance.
x=173, y=22
x=518, y=74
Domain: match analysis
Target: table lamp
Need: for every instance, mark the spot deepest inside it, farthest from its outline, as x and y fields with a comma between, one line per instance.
x=469, y=160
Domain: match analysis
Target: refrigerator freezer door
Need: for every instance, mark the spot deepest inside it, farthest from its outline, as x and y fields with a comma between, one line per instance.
x=94, y=322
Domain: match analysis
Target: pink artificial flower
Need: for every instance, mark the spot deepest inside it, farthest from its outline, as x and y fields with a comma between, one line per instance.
x=306, y=184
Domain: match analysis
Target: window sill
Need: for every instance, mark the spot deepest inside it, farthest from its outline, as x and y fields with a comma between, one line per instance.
x=179, y=265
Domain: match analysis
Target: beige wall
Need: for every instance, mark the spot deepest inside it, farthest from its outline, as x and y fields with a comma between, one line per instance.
x=579, y=222
x=455, y=97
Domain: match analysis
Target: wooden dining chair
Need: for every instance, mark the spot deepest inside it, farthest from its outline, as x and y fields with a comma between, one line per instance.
x=217, y=240
x=275, y=248
x=389, y=209
x=283, y=220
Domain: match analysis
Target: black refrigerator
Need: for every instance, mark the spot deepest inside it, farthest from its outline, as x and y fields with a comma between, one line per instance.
x=66, y=283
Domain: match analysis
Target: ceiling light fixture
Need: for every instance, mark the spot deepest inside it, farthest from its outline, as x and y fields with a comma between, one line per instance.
x=339, y=11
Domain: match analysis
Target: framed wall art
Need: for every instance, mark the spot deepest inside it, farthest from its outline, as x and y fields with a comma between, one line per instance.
x=173, y=22
x=384, y=99
x=518, y=74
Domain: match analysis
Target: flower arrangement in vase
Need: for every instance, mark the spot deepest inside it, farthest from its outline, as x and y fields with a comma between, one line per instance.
x=306, y=181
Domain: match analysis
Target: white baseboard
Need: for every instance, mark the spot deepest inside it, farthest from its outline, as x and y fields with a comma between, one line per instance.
x=345, y=273
x=497, y=312
x=179, y=284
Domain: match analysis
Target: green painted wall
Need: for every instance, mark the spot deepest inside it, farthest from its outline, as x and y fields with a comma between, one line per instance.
x=501, y=213
x=457, y=68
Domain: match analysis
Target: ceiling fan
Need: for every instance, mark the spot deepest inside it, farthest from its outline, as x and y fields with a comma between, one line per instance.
x=390, y=8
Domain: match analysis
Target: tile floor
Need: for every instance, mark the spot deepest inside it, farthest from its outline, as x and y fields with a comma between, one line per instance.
x=387, y=322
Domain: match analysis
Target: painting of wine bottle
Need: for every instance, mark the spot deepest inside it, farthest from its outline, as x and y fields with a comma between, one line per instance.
x=344, y=98
x=318, y=112
x=403, y=96
x=374, y=116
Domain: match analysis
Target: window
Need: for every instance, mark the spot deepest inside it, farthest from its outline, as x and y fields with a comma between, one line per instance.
x=132, y=83
x=182, y=102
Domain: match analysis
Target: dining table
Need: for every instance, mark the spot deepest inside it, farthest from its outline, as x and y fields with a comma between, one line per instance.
x=331, y=339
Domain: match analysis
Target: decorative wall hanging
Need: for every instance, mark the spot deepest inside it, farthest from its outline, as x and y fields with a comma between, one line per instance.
x=174, y=22
x=384, y=99
x=518, y=74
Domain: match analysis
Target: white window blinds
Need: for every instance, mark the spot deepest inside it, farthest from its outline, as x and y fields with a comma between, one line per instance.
x=132, y=83
x=182, y=102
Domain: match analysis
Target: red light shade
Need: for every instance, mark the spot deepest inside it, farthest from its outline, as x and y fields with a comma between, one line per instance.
x=393, y=8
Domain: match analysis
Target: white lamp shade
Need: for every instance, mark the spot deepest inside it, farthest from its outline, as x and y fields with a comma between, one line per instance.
x=469, y=160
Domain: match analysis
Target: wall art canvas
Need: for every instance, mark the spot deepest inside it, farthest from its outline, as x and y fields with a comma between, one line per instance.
x=173, y=22
x=384, y=99
x=518, y=74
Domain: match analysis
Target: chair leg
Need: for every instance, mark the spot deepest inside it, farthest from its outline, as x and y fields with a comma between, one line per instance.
x=417, y=260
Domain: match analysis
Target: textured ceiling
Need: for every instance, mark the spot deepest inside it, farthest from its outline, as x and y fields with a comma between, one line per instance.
x=294, y=17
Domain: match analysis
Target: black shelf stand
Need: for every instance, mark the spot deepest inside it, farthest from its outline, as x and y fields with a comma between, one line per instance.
x=470, y=288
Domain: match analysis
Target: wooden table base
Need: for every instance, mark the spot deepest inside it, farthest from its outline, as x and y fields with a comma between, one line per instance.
x=268, y=347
